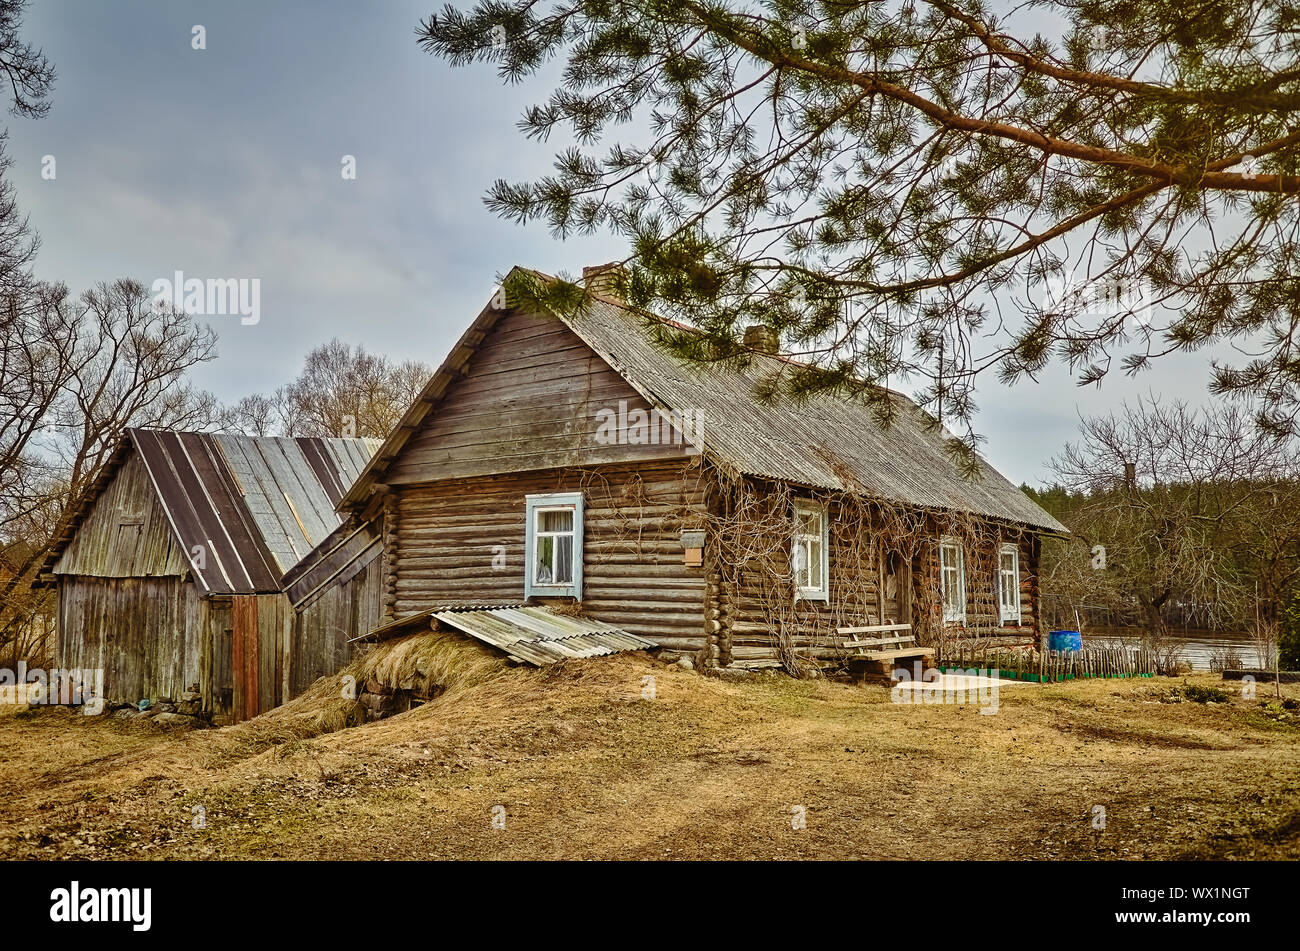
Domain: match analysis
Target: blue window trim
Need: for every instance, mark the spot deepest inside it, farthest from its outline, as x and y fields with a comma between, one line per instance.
x=553, y=500
x=822, y=593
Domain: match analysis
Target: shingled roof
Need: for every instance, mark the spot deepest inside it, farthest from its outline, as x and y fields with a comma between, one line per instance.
x=254, y=504
x=827, y=442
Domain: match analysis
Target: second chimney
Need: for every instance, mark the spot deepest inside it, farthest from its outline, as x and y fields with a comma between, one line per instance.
x=763, y=339
x=603, y=280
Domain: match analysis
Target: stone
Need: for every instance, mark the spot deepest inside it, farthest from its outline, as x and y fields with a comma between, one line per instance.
x=173, y=720
x=126, y=713
x=190, y=696
x=165, y=707
x=189, y=708
x=685, y=662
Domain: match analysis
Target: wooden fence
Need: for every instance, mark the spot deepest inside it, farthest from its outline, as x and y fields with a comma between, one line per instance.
x=1050, y=666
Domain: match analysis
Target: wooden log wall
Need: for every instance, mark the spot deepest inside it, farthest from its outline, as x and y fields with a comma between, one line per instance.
x=857, y=582
x=854, y=596
x=388, y=563
x=463, y=540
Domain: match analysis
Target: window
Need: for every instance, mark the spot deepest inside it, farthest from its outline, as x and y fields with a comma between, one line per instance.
x=553, y=546
x=809, y=552
x=952, y=577
x=1009, y=582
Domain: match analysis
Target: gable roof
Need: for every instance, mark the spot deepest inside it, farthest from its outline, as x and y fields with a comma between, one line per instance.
x=827, y=442
x=254, y=505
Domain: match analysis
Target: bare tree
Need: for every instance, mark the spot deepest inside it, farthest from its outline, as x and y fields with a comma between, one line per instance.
x=1181, y=507
x=342, y=391
x=30, y=74
x=75, y=376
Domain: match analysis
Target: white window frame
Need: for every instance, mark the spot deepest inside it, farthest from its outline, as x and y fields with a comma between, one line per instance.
x=802, y=542
x=1008, y=611
x=949, y=544
x=533, y=506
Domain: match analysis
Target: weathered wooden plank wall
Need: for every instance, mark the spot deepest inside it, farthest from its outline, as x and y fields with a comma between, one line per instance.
x=243, y=621
x=349, y=606
x=145, y=633
x=261, y=628
x=530, y=399
x=126, y=534
x=217, y=672
x=274, y=630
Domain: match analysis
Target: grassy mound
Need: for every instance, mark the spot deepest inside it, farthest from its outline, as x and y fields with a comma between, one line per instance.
x=427, y=665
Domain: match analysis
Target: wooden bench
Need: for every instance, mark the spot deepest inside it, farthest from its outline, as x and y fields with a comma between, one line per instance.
x=898, y=642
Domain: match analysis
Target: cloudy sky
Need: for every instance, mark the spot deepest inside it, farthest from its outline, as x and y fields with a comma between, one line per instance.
x=226, y=162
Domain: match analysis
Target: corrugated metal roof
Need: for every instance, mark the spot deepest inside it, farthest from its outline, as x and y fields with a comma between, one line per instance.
x=254, y=505
x=343, y=554
x=828, y=442
x=537, y=636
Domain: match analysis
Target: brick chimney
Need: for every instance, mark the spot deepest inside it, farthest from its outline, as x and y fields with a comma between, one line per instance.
x=602, y=280
x=763, y=339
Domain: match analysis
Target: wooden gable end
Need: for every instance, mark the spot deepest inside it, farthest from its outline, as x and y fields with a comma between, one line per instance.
x=533, y=396
x=126, y=534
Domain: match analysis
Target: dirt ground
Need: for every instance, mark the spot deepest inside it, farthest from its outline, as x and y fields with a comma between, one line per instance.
x=576, y=763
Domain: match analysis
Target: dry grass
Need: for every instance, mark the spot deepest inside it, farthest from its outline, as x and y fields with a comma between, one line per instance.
x=586, y=768
x=430, y=664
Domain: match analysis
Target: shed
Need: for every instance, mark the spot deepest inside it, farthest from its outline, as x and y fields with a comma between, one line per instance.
x=168, y=573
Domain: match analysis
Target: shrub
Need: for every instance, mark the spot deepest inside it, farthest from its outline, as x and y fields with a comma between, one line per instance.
x=1198, y=694
x=1288, y=636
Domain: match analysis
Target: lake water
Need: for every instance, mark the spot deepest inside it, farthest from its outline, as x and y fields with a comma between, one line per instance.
x=1195, y=647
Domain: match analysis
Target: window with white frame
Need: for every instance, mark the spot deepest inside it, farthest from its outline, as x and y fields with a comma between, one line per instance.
x=809, y=551
x=1009, y=582
x=553, y=545
x=952, y=578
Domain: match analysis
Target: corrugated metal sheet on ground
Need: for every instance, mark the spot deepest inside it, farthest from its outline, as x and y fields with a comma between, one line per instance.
x=537, y=636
